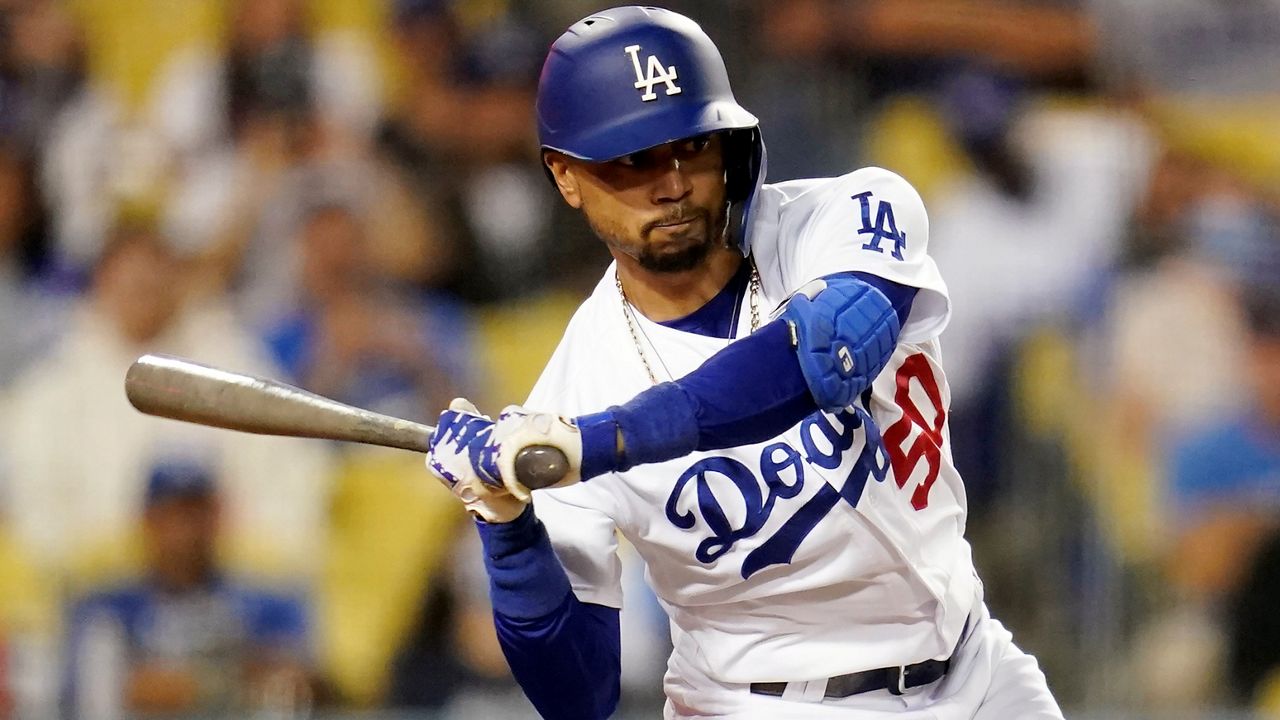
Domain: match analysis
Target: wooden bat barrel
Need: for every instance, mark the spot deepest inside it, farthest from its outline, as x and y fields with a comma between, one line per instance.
x=180, y=389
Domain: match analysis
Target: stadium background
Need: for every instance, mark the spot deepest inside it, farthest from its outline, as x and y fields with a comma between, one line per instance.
x=345, y=194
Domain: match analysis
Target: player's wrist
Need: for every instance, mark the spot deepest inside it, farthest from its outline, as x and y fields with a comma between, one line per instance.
x=658, y=424
x=601, y=443
x=510, y=534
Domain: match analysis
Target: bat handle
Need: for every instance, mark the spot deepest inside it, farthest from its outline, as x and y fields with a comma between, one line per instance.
x=540, y=466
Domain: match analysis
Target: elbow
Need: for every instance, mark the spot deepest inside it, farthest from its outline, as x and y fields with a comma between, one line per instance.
x=843, y=337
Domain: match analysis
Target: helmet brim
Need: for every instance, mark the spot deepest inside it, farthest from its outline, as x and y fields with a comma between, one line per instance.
x=645, y=129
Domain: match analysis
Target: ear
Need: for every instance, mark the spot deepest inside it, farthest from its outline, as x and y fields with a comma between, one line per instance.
x=562, y=173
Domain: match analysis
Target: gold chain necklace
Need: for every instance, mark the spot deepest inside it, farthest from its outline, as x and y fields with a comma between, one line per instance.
x=628, y=312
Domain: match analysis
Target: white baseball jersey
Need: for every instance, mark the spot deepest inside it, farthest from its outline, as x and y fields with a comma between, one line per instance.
x=832, y=548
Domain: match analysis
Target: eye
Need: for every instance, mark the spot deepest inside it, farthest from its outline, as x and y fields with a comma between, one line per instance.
x=642, y=160
x=695, y=145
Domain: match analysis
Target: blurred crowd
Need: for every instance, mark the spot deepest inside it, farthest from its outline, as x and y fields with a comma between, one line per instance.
x=345, y=194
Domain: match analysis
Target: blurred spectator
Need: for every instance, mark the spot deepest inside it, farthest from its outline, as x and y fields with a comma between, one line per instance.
x=96, y=151
x=1157, y=228
x=186, y=638
x=293, y=90
x=1253, y=654
x=1038, y=37
x=253, y=255
x=68, y=507
x=353, y=336
x=1226, y=493
x=285, y=107
x=1208, y=71
x=1035, y=223
x=41, y=67
x=453, y=649
x=1169, y=337
x=824, y=66
x=469, y=90
x=1223, y=493
x=1177, y=330
x=62, y=121
x=463, y=134
x=31, y=311
x=273, y=63
x=242, y=205
x=1234, y=464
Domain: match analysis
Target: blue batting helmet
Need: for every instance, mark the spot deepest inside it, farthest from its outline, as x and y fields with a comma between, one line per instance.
x=632, y=78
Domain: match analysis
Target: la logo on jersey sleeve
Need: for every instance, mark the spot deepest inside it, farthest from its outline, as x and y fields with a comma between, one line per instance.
x=656, y=73
x=884, y=228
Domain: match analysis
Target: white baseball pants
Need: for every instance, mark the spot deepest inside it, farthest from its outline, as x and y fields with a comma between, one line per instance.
x=990, y=679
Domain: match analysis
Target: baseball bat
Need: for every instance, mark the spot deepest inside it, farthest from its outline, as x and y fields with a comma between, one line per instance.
x=179, y=389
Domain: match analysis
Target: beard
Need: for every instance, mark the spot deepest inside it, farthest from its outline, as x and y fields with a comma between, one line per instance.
x=693, y=245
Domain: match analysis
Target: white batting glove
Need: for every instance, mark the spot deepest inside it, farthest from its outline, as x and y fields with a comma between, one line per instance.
x=518, y=428
x=462, y=456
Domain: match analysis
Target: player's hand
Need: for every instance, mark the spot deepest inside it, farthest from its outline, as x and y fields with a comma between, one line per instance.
x=464, y=457
x=519, y=428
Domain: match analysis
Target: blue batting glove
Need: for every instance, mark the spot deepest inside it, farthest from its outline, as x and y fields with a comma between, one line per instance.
x=464, y=457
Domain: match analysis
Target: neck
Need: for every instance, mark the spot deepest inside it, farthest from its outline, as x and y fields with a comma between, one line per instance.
x=669, y=296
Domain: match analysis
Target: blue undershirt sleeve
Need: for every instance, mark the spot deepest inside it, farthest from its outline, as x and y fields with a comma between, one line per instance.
x=900, y=296
x=748, y=392
x=566, y=654
x=568, y=663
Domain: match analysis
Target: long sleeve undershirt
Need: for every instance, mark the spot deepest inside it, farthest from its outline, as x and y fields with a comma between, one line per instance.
x=566, y=654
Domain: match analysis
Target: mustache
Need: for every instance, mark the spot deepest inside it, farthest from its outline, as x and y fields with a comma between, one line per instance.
x=675, y=217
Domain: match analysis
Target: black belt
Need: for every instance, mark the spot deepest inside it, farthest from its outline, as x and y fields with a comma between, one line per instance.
x=896, y=680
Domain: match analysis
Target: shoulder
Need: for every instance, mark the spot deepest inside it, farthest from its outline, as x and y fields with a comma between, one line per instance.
x=261, y=599
x=804, y=197
x=115, y=596
x=867, y=191
x=870, y=220
x=269, y=610
x=123, y=602
x=869, y=198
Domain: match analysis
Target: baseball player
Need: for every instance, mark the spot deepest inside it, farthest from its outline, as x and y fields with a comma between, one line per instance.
x=753, y=397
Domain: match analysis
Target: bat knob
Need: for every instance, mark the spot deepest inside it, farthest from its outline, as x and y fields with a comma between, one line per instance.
x=540, y=466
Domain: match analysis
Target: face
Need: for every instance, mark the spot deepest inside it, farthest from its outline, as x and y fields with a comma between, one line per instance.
x=139, y=286
x=181, y=538
x=332, y=245
x=663, y=207
x=263, y=23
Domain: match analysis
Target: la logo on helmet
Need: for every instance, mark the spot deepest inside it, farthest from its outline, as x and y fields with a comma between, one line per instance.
x=656, y=74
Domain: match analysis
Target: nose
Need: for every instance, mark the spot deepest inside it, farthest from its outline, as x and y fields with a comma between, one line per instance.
x=673, y=184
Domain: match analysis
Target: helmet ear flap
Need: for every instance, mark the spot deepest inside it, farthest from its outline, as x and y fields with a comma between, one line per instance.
x=741, y=150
